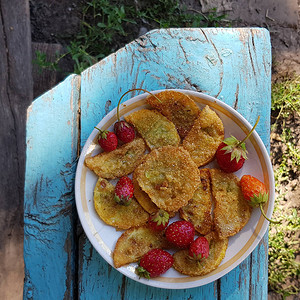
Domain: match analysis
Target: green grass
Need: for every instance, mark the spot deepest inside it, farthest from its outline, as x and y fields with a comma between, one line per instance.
x=108, y=25
x=283, y=239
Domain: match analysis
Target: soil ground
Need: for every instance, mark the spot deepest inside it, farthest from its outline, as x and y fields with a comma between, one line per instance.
x=55, y=21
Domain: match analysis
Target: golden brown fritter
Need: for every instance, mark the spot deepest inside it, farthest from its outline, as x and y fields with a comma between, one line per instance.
x=114, y=214
x=179, y=108
x=205, y=136
x=169, y=177
x=119, y=162
x=143, y=198
x=136, y=242
x=188, y=266
x=198, y=210
x=154, y=128
x=231, y=212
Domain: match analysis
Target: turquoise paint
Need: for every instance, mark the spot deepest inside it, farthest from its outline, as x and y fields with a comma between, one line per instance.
x=260, y=271
x=233, y=65
x=237, y=71
x=49, y=201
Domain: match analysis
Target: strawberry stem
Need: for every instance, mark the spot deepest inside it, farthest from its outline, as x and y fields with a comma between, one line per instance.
x=145, y=91
x=250, y=132
x=263, y=213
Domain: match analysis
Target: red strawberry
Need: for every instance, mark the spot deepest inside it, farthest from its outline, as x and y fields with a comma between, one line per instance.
x=180, y=233
x=124, y=131
x=231, y=153
x=107, y=140
x=124, y=191
x=199, y=248
x=159, y=221
x=154, y=263
x=255, y=192
x=228, y=161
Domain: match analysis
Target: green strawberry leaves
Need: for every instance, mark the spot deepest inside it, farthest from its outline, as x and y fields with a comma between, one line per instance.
x=235, y=147
x=258, y=201
x=162, y=217
x=123, y=200
x=141, y=272
x=261, y=198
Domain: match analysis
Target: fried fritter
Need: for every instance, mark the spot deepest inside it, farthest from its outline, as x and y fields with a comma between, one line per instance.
x=179, y=108
x=136, y=242
x=154, y=128
x=205, y=136
x=231, y=212
x=169, y=177
x=198, y=210
x=119, y=162
x=114, y=214
x=188, y=266
x=143, y=198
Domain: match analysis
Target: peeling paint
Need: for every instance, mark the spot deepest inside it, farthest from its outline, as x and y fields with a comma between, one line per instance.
x=198, y=60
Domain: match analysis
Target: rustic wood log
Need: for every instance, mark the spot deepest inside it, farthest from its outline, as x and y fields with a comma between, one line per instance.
x=15, y=96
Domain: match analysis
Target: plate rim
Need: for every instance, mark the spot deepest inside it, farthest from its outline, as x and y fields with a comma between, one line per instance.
x=156, y=282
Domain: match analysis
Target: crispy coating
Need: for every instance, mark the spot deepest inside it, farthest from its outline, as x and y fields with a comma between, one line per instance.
x=217, y=250
x=231, y=211
x=179, y=108
x=119, y=162
x=169, y=177
x=143, y=198
x=136, y=242
x=114, y=214
x=205, y=136
x=154, y=128
x=198, y=210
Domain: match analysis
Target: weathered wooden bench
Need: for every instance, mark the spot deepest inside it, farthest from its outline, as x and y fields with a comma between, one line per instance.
x=233, y=65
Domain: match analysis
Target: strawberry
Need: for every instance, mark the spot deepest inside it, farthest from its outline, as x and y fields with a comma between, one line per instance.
x=124, y=191
x=180, y=234
x=124, y=131
x=228, y=161
x=255, y=193
x=231, y=153
x=107, y=140
x=154, y=263
x=199, y=248
x=159, y=221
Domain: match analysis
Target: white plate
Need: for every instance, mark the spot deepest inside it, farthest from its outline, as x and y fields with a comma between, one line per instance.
x=104, y=237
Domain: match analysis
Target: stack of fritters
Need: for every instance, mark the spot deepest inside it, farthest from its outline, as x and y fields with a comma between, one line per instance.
x=169, y=176
x=179, y=138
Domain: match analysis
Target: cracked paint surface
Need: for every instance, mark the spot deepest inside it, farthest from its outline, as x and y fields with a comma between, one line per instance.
x=224, y=63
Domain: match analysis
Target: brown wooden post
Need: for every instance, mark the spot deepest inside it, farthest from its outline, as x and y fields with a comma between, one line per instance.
x=15, y=96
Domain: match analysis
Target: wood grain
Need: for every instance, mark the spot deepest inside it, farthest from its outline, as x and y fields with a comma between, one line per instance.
x=15, y=96
x=45, y=79
x=233, y=65
x=49, y=209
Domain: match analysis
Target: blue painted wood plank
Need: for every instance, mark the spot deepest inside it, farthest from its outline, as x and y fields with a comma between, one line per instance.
x=49, y=209
x=259, y=273
x=91, y=264
x=233, y=65
x=107, y=283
